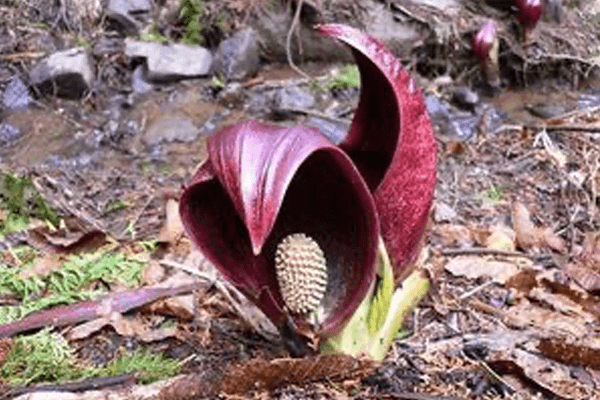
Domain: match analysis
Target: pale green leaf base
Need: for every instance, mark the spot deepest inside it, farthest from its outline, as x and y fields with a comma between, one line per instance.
x=379, y=317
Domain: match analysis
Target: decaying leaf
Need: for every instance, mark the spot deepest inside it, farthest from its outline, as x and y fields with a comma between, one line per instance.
x=584, y=353
x=585, y=277
x=454, y=235
x=71, y=236
x=501, y=238
x=477, y=267
x=585, y=270
x=260, y=374
x=528, y=235
x=172, y=230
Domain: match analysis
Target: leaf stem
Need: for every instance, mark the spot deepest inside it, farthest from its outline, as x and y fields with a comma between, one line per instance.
x=404, y=299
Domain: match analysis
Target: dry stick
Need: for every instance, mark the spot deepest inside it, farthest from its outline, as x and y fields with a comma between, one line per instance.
x=485, y=251
x=566, y=128
x=288, y=40
x=318, y=115
x=94, y=383
x=224, y=291
x=132, y=224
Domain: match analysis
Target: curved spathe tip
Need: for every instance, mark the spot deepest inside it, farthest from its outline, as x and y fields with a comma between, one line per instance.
x=392, y=143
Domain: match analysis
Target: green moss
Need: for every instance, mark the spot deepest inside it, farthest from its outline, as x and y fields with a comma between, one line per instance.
x=47, y=357
x=348, y=77
x=149, y=367
x=44, y=356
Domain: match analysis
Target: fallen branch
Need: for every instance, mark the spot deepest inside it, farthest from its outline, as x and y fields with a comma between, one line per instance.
x=119, y=302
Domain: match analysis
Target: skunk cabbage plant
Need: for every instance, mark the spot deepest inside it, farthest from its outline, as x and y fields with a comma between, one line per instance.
x=314, y=233
x=486, y=45
x=530, y=12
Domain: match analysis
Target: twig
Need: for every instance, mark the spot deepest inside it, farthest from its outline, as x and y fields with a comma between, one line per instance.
x=496, y=376
x=477, y=289
x=17, y=56
x=566, y=128
x=415, y=396
x=225, y=292
x=189, y=270
x=485, y=251
x=135, y=220
x=93, y=383
x=288, y=41
x=317, y=114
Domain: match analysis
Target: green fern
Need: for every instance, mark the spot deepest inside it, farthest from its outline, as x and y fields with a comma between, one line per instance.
x=20, y=198
x=67, y=284
x=150, y=367
x=190, y=16
x=43, y=356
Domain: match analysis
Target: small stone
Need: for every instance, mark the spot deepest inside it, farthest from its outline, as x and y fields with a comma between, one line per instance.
x=291, y=98
x=170, y=62
x=8, y=134
x=465, y=98
x=443, y=212
x=171, y=130
x=16, y=95
x=128, y=13
x=237, y=57
x=68, y=73
x=138, y=83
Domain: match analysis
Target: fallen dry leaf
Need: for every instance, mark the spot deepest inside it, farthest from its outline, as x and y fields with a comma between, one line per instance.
x=501, y=238
x=477, y=267
x=453, y=235
x=172, y=230
x=539, y=374
x=585, y=353
x=529, y=236
x=153, y=273
x=260, y=374
x=71, y=236
x=585, y=277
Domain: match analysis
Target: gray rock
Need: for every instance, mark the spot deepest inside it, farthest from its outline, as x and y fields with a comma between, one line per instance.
x=8, y=133
x=68, y=73
x=588, y=100
x=437, y=108
x=440, y=4
x=233, y=95
x=465, y=98
x=546, y=110
x=16, y=95
x=108, y=45
x=237, y=57
x=128, y=13
x=292, y=98
x=170, y=62
x=170, y=130
x=463, y=127
x=138, y=83
x=335, y=131
x=443, y=212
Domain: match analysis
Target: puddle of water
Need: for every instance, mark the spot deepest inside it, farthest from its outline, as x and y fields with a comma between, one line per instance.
x=43, y=132
x=519, y=104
